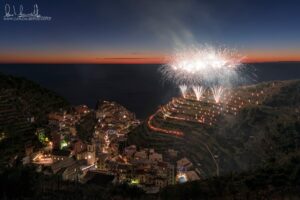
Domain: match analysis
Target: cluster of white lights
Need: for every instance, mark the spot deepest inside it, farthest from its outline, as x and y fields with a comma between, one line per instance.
x=205, y=65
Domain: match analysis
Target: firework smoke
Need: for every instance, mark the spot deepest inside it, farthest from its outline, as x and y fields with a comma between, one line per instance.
x=198, y=90
x=217, y=92
x=183, y=89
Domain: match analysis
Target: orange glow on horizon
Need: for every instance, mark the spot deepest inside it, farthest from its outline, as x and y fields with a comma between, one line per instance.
x=93, y=58
x=81, y=59
x=271, y=59
x=271, y=56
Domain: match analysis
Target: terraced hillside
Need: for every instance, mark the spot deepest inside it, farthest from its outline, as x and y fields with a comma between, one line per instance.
x=249, y=126
x=24, y=105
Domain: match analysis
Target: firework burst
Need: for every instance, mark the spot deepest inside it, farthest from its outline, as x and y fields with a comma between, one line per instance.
x=202, y=66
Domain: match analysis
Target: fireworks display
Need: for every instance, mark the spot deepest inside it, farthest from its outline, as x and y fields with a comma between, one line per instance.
x=205, y=77
x=183, y=89
x=203, y=67
x=198, y=90
x=217, y=92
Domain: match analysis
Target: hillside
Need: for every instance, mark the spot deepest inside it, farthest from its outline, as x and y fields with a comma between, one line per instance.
x=261, y=123
x=274, y=180
x=24, y=105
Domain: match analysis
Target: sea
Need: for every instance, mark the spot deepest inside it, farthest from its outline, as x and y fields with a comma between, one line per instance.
x=139, y=88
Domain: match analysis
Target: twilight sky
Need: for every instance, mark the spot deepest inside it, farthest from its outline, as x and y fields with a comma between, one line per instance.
x=146, y=31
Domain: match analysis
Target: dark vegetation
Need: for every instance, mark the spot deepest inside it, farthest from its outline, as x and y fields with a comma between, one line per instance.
x=85, y=129
x=26, y=183
x=264, y=132
x=29, y=98
x=277, y=179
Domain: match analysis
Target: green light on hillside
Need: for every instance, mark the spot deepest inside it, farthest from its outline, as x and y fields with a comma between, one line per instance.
x=42, y=137
x=63, y=144
x=135, y=181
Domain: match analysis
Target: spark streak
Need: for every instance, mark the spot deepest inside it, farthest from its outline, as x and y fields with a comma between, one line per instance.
x=217, y=92
x=183, y=89
x=198, y=90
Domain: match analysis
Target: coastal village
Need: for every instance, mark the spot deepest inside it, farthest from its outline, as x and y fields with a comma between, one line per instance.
x=87, y=145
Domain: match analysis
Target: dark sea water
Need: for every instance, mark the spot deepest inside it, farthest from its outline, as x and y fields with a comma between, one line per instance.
x=139, y=88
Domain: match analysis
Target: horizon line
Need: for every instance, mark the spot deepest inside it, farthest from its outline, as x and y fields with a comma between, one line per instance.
x=130, y=62
x=124, y=60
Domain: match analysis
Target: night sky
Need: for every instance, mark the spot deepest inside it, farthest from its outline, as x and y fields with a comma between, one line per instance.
x=145, y=31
